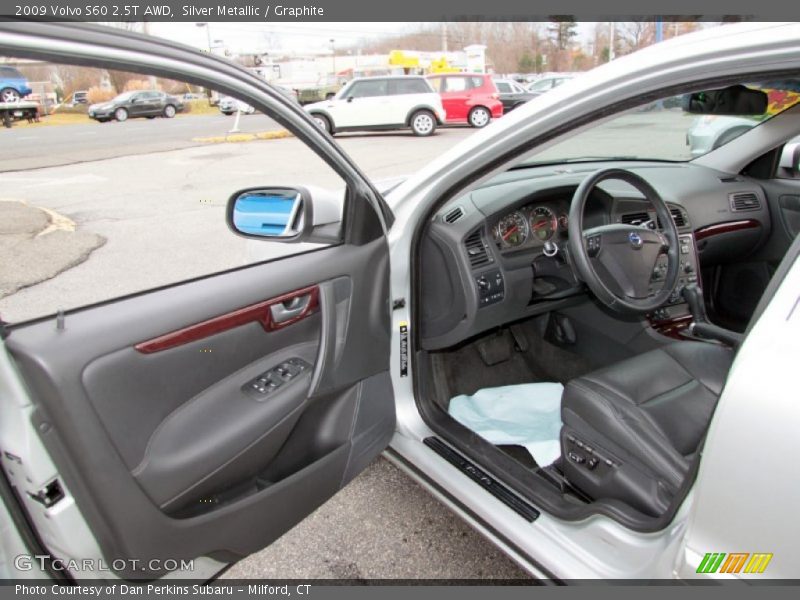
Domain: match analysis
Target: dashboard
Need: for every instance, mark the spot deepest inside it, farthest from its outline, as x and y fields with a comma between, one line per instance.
x=499, y=253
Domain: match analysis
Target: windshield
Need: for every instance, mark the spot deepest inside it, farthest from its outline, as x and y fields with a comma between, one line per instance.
x=662, y=131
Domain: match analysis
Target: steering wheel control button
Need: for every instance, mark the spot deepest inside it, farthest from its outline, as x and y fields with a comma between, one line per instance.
x=491, y=288
x=593, y=245
x=275, y=378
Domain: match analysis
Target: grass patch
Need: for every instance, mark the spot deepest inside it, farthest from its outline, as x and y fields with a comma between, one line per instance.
x=56, y=119
x=244, y=137
x=198, y=107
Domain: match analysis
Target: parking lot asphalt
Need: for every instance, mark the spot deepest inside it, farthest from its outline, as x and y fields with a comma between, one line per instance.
x=48, y=146
x=380, y=526
x=163, y=213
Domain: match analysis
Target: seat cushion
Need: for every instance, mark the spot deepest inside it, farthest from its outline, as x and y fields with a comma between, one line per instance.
x=648, y=414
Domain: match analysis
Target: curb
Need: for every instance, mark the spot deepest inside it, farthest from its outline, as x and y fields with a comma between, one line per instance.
x=244, y=137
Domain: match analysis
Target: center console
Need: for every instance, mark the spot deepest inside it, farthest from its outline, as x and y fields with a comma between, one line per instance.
x=674, y=316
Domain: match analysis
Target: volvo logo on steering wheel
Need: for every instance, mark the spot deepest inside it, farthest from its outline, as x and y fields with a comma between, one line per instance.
x=635, y=239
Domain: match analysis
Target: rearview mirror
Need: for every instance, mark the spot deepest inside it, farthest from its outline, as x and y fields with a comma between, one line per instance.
x=287, y=214
x=735, y=100
x=267, y=212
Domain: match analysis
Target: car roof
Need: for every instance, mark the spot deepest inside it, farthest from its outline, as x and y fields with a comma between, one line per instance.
x=398, y=77
x=459, y=75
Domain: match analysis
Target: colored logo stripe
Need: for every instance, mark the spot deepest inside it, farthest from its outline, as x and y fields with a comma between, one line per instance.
x=713, y=562
x=734, y=562
x=758, y=562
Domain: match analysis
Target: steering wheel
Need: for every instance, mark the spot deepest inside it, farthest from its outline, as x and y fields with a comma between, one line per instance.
x=616, y=261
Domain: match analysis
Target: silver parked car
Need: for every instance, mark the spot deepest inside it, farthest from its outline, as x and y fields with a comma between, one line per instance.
x=229, y=106
x=546, y=327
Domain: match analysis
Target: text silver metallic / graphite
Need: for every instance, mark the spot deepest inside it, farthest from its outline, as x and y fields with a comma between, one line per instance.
x=252, y=10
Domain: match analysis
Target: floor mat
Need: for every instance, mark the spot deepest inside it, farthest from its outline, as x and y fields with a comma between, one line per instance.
x=527, y=415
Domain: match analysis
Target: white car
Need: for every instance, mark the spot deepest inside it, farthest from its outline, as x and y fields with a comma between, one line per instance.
x=381, y=104
x=520, y=326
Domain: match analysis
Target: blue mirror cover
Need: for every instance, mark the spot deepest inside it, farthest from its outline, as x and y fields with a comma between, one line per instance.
x=266, y=214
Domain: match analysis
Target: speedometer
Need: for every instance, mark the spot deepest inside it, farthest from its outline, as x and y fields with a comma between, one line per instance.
x=543, y=223
x=512, y=230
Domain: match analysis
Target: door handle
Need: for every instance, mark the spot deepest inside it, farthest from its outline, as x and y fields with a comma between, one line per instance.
x=289, y=309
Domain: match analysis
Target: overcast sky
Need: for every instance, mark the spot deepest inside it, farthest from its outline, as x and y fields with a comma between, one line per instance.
x=250, y=37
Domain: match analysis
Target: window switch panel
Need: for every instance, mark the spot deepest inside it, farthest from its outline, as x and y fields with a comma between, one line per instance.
x=276, y=377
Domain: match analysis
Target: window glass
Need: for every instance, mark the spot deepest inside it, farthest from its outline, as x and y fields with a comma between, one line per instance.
x=680, y=135
x=503, y=87
x=369, y=88
x=476, y=82
x=99, y=211
x=456, y=84
x=436, y=83
x=541, y=86
x=410, y=86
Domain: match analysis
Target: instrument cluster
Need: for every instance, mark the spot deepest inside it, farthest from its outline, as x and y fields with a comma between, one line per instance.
x=529, y=226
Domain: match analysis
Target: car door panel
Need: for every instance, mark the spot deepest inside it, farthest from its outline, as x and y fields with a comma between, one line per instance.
x=137, y=105
x=167, y=451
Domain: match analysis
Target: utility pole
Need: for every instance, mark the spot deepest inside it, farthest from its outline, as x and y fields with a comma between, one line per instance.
x=208, y=33
x=613, y=27
x=444, y=36
x=333, y=55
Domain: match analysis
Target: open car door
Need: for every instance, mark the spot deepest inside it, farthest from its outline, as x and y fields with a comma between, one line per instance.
x=205, y=418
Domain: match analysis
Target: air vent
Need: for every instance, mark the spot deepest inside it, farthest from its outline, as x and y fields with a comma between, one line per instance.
x=477, y=252
x=635, y=218
x=678, y=216
x=454, y=215
x=744, y=201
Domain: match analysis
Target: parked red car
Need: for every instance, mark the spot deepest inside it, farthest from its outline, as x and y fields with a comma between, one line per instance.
x=468, y=97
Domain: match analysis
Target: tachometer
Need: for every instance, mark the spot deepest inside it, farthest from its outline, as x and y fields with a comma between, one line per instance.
x=543, y=223
x=512, y=230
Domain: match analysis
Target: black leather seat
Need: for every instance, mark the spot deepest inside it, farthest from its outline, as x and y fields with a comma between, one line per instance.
x=631, y=430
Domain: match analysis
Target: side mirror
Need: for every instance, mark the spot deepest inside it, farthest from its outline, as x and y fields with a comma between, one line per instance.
x=350, y=98
x=736, y=100
x=789, y=163
x=286, y=214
